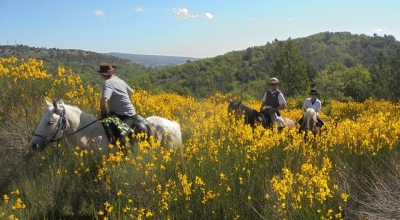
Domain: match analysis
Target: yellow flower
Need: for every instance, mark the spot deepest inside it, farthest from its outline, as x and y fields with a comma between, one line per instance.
x=16, y=192
x=6, y=198
x=344, y=197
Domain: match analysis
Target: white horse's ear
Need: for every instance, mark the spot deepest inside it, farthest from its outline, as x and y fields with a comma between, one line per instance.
x=48, y=103
x=57, y=108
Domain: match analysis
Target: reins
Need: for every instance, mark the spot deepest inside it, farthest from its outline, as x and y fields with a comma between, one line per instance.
x=62, y=124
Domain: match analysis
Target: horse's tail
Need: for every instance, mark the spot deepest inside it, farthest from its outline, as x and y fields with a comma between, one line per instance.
x=177, y=135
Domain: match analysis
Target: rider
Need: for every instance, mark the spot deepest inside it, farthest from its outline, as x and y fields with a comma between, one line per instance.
x=116, y=96
x=274, y=101
x=313, y=102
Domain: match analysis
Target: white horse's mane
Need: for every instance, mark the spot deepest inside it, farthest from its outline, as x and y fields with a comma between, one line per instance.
x=310, y=119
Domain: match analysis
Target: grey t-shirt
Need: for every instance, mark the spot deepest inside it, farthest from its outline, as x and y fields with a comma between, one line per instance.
x=117, y=93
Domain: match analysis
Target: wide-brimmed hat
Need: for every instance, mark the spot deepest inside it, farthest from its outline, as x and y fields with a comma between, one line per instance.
x=273, y=80
x=105, y=68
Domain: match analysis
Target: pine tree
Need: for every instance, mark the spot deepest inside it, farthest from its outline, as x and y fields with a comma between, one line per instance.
x=291, y=70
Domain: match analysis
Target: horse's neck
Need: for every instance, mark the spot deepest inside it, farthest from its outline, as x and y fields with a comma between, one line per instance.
x=248, y=109
x=80, y=134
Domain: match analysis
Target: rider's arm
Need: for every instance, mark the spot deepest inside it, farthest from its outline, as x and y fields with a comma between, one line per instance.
x=305, y=106
x=103, y=106
x=282, y=102
x=262, y=105
x=281, y=106
x=131, y=92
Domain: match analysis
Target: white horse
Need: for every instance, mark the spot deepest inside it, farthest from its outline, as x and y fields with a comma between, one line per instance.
x=81, y=129
x=169, y=130
x=309, y=122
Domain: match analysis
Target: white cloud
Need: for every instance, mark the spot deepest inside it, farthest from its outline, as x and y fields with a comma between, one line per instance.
x=99, y=13
x=289, y=19
x=208, y=16
x=139, y=9
x=378, y=30
x=254, y=19
x=183, y=13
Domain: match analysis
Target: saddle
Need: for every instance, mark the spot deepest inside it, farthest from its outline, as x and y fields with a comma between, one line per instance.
x=266, y=120
x=141, y=125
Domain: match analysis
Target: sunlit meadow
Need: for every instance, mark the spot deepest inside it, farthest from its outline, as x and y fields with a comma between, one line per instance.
x=228, y=171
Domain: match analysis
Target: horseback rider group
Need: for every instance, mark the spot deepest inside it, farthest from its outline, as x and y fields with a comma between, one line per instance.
x=274, y=101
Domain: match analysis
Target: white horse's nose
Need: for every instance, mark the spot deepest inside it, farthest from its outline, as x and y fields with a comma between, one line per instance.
x=35, y=146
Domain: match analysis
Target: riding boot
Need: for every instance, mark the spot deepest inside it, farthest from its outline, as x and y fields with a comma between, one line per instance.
x=280, y=129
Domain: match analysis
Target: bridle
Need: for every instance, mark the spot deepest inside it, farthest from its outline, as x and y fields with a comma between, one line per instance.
x=237, y=109
x=61, y=125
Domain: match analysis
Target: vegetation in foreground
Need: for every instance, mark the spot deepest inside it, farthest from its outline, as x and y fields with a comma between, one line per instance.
x=227, y=171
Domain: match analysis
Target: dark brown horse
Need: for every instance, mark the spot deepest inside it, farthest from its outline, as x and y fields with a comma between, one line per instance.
x=252, y=116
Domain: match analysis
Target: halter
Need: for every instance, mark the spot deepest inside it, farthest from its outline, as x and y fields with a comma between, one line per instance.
x=239, y=108
x=61, y=124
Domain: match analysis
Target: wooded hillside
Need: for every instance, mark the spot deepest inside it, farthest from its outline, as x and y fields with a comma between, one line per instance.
x=341, y=65
x=85, y=63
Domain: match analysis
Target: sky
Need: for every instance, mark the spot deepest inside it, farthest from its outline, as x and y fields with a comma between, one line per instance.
x=186, y=28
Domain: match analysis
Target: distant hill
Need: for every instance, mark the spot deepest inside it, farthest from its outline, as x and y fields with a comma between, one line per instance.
x=241, y=73
x=81, y=62
x=244, y=73
x=156, y=61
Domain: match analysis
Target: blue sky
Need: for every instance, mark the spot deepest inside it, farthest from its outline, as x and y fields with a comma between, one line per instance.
x=191, y=28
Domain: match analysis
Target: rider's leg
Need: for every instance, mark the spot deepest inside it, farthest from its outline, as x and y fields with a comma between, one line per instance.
x=274, y=119
x=129, y=120
x=320, y=124
x=300, y=122
x=320, y=121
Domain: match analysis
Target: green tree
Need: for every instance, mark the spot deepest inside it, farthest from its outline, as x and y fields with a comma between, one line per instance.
x=395, y=70
x=330, y=82
x=290, y=68
x=356, y=83
x=381, y=77
x=312, y=73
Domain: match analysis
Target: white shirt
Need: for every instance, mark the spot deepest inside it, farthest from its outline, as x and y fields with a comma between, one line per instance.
x=309, y=104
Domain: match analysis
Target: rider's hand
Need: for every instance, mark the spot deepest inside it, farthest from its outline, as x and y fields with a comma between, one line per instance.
x=103, y=115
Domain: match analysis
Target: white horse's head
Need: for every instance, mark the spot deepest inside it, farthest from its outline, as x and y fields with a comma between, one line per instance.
x=51, y=127
x=309, y=119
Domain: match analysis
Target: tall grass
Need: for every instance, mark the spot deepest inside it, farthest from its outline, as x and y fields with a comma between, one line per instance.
x=228, y=171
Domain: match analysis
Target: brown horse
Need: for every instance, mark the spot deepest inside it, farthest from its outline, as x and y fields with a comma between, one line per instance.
x=252, y=115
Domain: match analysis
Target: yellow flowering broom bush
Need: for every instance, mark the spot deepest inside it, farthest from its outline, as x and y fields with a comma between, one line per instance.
x=228, y=170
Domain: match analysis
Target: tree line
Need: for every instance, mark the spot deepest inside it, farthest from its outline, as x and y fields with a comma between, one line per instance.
x=340, y=65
